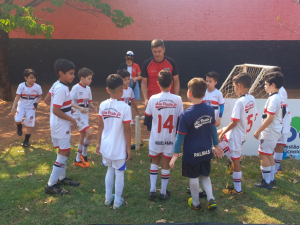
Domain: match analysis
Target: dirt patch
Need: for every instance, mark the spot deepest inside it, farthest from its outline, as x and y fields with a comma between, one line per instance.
x=42, y=129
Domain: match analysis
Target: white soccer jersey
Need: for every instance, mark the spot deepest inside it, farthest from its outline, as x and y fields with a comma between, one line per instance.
x=127, y=97
x=273, y=107
x=60, y=97
x=28, y=95
x=53, y=85
x=165, y=109
x=214, y=99
x=81, y=96
x=113, y=142
x=287, y=118
x=245, y=112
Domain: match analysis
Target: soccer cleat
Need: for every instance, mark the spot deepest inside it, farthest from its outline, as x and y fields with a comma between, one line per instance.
x=19, y=130
x=198, y=207
x=85, y=160
x=273, y=182
x=81, y=164
x=109, y=202
x=152, y=196
x=232, y=191
x=263, y=184
x=202, y=194
x=212, y=204
x=115, y=206
x=165, y=196
x=279, y=170
x=25, y=144
x=68, y=181
x=55, y=189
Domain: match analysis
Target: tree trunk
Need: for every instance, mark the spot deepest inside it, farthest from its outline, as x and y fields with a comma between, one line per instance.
x=4, y=78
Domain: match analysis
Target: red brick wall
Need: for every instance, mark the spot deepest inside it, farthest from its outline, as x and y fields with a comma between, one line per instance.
x=179, y=20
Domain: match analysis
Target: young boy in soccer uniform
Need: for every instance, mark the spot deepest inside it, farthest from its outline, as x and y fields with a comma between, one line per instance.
x=286, y=122
x=234, y=135
x=113, y=140
x=60, y=124
x=271, y=129
x=28, y=96
x=81, y=95
x=198, y=131
x=128, y=95
x=161, y=118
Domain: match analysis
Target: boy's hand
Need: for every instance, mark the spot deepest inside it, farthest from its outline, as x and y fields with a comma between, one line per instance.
x=173, y=160
x=73, y=124
x=218, y=122
x=218, y=152
x=256, y=134
x=97, y=150
x=221, y=136
x=82, y=110
x=128, y=155
x=146, y=102
x=72, y=110
x=13, y=111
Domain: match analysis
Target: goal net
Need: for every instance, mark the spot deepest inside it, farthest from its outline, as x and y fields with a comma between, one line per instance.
x=257, y=73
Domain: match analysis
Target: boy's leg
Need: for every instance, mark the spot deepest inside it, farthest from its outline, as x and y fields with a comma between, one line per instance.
x=265, y=167
x=18, y=119
x=165, y=175
x=278, y=155
x=206, y=182
x=273, y=170
x=86, y=142
x=119, y=183
x=29, y=122
x=154, y=172
x=109, y=184
x=194, y=187
x=80, y=146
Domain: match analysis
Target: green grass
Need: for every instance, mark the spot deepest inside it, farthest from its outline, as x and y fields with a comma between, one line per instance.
x=25, y=171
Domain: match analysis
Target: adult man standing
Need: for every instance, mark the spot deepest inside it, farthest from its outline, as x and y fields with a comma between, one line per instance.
x=153, y=66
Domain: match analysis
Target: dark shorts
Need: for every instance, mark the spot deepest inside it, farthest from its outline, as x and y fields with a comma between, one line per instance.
x=194, y=170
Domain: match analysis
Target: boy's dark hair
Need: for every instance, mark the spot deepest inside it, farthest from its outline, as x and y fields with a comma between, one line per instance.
x=197, y=87
x=214, y=75
x=123, y=73
x=243, y=78
x=165, y=78
x=63, y=65
x=275, y=69
x=113, y=82
x=85, y=72
x=157, y=43
x=275, y=78
x=27, y=72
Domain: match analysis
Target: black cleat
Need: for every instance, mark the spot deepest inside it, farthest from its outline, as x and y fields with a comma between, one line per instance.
x=152, y=196
x=55, y=189
x=25, y=144
x=68, y=181
x=263, y=184
x=202, y=194
x=19, y=129
x=166, y=196
x=212, y=204
x=273, y=182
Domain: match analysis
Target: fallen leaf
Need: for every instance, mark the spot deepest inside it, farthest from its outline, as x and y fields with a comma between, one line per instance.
x=231, y=197
x=159, y=206
x=150, y=207
x=26, y=209
x=158, y=190
x=295, y=181
x=141, y=162
x=45, y=202
x=19, y=207
x=29, y=174
x=225, y=210
x=152, y=203
x=214, y=161
x=94, y=190
x=140, y=171
x=216, y=189
x=251, y=163
x=289, y=180
x=244, y=222
x=161, y=221
x=162, y=209
x=180, y=154
x=18, y=176
x=137, y=153
x=93, y=162
x=51, y=200
x=159, y=167
x=227, y=185
x=294, y=168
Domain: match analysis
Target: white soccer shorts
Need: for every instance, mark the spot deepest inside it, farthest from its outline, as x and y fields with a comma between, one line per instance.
x=283, y=139
x=235, y=155
x=119, y=164
x=62, y=144
x=29, y=116
x=82, y=122
x=267, y=143
x=164, y=154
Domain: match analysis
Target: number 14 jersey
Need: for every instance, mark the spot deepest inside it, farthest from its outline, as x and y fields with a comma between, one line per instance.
x=165, y=109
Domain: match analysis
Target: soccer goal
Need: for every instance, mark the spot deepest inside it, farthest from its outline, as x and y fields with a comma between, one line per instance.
x=257, y=73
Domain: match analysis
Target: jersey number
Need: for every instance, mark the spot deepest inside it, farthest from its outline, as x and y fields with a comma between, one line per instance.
x=168, y=124
x=249, y=122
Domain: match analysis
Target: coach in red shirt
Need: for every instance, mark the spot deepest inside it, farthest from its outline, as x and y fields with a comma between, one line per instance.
x=151, y=68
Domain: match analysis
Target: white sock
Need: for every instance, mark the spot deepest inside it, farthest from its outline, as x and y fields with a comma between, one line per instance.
x=266, y=173
x=63, y=172
x=273, y=172
x=109, y=183
x=119, y=185
x=85, y=147
x=206, y=182
x=165, y=175
x=79, y=152
x=237, y=180
x=227, y=153
x=194, y=187
x=57, y=169
x=278, y=158
x=153, y=177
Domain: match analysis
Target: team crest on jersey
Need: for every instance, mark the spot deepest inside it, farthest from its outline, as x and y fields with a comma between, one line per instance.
x=34, y=91
x=80, y=93
x=85, y=102
x=261, y=141
x=31, y=118
x=110, y=113
x=165, y=104
x=133, y=69
x=249, y=106
x=202, y=120
x=67, y=132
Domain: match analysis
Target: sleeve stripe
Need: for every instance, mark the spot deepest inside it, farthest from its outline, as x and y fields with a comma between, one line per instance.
x=57, y=105
x=222, y=103
x=180, y=133
x=49, y=93
x=90, y=100
x=270, y=113
x=147, y=114
x=213, y=124
x=128, y=121
x=234, y=119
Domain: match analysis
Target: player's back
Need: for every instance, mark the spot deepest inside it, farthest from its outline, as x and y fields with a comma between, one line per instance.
x=285, y=111
x=114, y=114
x=165, y=109
x=244, y=112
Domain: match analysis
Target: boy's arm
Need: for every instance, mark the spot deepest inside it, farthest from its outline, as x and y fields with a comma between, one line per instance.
x=57, y=112
x=81, y=109
x=217, y=150
x=47, y=99
x=14, y=106
x=100, y=130
x=127, y=132
x=133, y=104
x=93, y=107
x=264, y=125
x=228, y=128
x=218, y=122
x=177, y=148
